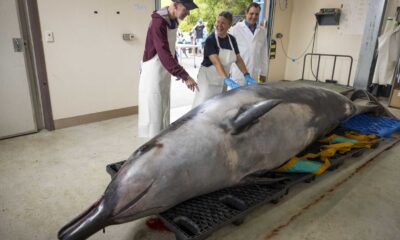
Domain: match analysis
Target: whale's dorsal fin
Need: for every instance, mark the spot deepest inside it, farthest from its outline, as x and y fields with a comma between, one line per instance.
x=249, y=114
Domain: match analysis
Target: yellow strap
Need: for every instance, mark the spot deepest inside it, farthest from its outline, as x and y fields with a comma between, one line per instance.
x=328, y=139
x=323, y=167
x=360, y=137
x=327, y=151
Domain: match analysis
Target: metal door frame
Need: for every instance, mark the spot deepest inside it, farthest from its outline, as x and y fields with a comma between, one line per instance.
x=369, y=43
x=270, y=28
x=28, y=15
x=157, y=4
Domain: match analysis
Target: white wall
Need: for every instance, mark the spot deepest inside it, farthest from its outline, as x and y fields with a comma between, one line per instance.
x=329, y=40
x=282, y=23
x=90, y=68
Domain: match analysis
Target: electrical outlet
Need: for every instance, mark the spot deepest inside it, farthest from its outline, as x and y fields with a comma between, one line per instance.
x=49, y=36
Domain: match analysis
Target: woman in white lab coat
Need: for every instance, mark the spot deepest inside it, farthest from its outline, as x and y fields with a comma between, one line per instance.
x=220, y=52
x=253, y=45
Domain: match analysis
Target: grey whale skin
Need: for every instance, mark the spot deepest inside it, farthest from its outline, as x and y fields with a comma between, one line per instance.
x=216, y=145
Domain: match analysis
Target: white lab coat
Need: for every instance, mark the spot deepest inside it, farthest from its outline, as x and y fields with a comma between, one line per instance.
x=253, y=49
x=388, y=53
x=154, y=93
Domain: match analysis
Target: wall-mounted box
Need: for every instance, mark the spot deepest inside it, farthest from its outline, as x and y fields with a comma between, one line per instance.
x=328, y=16
x=128, y=36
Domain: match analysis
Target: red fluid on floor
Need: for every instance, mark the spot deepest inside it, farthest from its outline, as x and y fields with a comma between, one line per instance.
x=156, y=224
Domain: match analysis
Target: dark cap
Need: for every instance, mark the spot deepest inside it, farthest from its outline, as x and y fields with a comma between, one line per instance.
x=189, y=4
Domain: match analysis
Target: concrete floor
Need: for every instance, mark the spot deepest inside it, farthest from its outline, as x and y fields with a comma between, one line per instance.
x=48, y=178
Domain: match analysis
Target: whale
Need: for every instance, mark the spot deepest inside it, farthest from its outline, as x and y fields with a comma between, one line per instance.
x=221, y=143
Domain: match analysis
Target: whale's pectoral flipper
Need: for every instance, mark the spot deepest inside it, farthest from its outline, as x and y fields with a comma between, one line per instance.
x=248, y=115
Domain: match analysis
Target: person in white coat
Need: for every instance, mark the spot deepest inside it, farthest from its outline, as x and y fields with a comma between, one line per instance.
x=388, y=53
x=220, y=52
x=159, y=63
x=253, y=45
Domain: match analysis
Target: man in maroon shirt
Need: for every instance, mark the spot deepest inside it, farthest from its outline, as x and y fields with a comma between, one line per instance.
x=159, y=63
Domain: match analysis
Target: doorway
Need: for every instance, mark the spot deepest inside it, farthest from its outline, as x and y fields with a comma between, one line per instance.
x=24, y=95
x=17, y=108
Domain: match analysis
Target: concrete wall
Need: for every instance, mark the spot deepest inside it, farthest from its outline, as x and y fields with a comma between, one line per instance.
x=90, y=67
x=329, y=40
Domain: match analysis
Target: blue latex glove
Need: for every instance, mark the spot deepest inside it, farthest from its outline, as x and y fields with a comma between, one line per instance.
x=249, y=79
x=231, y=83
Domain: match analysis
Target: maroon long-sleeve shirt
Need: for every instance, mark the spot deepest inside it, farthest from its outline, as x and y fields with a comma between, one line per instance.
x=157, y=43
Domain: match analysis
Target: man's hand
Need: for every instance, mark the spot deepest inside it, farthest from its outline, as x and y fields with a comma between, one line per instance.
x=191, y=84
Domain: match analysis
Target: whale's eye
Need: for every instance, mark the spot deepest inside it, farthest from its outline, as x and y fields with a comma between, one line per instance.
x=147, y=147
x=144, y=148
